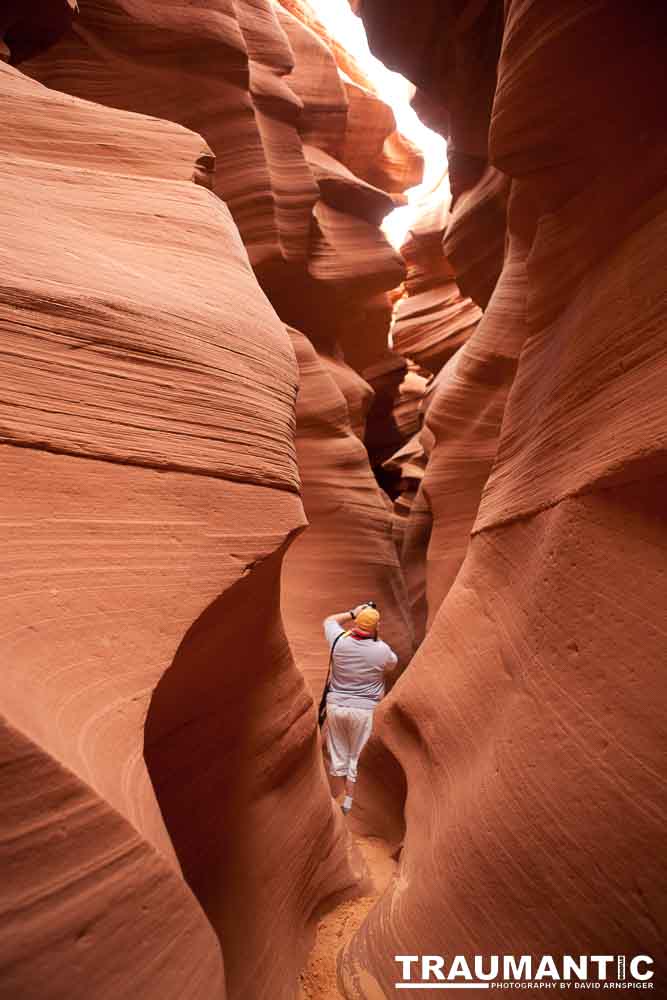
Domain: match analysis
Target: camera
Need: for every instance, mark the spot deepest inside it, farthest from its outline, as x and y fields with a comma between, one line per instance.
x=371, y=604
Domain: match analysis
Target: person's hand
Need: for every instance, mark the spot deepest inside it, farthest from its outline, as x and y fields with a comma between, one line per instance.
x=358, y=608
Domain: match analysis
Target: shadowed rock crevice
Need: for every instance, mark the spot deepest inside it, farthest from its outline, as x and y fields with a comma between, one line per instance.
x=231, y=744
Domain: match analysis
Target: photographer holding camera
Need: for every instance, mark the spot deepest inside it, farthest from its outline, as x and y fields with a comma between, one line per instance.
x=355, y=685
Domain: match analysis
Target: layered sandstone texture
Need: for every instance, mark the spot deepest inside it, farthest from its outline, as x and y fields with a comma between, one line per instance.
x=298, y=148
x=151, y=384
x=370, y=144
x=527, y=731
x=432, y=319
x=464, y=416
x=348, y=516
x=158, y=738
x=218, y=68
x=449, y=51
x=265, y=91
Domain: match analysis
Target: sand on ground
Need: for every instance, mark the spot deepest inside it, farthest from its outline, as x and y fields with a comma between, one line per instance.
x=334, y=929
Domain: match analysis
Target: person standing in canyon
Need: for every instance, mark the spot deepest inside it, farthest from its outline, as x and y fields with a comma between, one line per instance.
x=356, y=683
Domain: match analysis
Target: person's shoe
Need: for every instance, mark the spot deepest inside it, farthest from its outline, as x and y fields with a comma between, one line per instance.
x=347, y=804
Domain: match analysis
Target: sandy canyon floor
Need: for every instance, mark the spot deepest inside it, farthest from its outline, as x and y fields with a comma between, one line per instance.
x=318, y=979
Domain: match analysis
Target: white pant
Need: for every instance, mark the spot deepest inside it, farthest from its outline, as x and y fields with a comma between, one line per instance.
x=348, y=730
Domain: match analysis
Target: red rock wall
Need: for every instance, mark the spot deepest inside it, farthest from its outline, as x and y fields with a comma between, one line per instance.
x=449, y=50
x=474, y=240
x=371, y=145
x=344, y=298
x=310, y=226
x=465, y=413
x=152, y=487
x=28, y=26
x=526, y=727
x=157, y=386
x=229, y=56
x=349, y=547
x=432, y=320
x=461, y=413
x=160, y=740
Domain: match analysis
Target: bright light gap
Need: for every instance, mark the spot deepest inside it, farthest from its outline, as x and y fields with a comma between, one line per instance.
x=348, y=29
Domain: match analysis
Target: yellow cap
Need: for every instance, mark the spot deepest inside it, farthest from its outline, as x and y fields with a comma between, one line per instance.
x=367, y=619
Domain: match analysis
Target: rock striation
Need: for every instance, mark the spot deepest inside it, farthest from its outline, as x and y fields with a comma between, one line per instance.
x=235, y=57
x=150, y=379
x=371, y=146
x=209, y=443
x=433, y=319
x=462, y=424
x=347, y=515
x=152, y=489
x=310, y=226
x=526, y=725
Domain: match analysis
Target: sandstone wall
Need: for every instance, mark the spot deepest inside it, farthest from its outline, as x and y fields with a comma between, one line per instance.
x=349, y=548
x=152, y=385
x=286, y=119
x=193, y=374
x=151, y=490
x=526, y=727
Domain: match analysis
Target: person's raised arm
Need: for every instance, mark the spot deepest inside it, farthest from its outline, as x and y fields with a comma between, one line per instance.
x=345, y=617
x=391, y=663
x=390, y=671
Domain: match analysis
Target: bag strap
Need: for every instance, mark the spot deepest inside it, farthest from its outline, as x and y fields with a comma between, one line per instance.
x=325, y=692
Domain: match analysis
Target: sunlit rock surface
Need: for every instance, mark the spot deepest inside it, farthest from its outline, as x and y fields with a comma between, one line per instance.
x=449, y=50
x=433, y=319
x=372, y=146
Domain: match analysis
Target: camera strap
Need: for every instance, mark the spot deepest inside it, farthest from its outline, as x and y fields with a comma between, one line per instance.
x=322, y=713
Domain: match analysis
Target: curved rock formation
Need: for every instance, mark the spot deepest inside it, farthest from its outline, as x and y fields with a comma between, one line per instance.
x=433, y=319
x=412, y=525
x=168, y=829
x=374, y=149
x=155, y=365
x=311, y=227
x=372, y=146
x=285, y=110
x=449, y=50
x=526, y=726
x=231, y=56
x=315, y=79
x=465, y=412
x=474, y=240
x=147, y=448
x=28, y=26
x=348, y=548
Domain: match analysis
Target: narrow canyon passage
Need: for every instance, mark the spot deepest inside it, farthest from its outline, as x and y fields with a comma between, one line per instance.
x=307, y=303
x=319, y=978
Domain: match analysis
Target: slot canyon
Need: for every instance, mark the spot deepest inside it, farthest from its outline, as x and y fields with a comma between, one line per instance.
x=265, y=357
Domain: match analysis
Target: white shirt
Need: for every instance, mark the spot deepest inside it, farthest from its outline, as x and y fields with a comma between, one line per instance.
x=357, y=675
